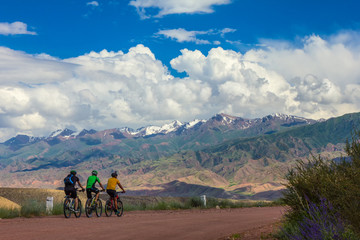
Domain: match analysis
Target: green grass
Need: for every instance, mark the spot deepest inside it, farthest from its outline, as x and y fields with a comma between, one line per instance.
x=33, y=208
x=9, y=213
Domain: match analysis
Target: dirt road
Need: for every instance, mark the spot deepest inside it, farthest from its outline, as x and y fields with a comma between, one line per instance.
x=183, y=224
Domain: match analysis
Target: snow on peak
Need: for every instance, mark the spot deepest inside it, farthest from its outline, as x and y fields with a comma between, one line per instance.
x=193, y=123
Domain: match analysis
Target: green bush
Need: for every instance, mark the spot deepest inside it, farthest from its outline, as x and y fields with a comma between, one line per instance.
x=194, y=202
x=336, y=181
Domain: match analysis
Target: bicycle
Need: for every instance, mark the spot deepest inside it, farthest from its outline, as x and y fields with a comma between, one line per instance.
x=92, y=205
x=110, y=206
x=69, y=205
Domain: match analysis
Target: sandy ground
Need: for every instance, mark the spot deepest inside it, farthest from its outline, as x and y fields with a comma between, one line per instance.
x=210, y=224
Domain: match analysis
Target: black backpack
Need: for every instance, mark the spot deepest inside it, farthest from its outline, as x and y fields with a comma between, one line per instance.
x=68, y=180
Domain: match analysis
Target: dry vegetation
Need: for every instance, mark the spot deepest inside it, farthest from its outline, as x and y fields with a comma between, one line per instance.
x=7, y=204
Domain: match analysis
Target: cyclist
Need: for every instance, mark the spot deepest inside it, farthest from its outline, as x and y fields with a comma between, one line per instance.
x=90, y=186
x=111, y=186
x=70, y=189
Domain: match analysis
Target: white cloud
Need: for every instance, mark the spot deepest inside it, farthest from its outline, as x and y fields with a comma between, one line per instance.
x=227, y=30
x=107, y=89
x=14, y=28
x=182, y=35
x=167, y=7
x=93, y=3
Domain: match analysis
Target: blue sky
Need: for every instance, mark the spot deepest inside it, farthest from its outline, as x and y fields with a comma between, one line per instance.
x=116, y=63
x=71, y=28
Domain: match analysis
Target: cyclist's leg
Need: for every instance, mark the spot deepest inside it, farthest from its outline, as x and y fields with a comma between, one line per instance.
x=88, y=194
x=97, y=193
x=115, y=203
x=112, y=194
x=74, y=196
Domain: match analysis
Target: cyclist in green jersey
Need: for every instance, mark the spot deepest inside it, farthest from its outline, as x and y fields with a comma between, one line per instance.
x=90, y=186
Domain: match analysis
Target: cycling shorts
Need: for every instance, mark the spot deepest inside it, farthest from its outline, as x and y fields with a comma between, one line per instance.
x=112, y=193
x=71, y=192
x=90, y=190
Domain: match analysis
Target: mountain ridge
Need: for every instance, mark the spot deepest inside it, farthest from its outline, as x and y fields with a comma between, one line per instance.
x=175, y=126
x=246, y=161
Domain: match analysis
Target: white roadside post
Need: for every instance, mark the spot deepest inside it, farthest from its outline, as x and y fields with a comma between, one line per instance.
x=49, y=204
x=203, y=199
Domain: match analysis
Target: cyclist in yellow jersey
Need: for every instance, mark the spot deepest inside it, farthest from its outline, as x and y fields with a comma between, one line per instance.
x=111, y=186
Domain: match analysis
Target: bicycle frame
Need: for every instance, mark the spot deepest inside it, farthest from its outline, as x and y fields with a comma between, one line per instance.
x=69, y=204
x=110, y=206
x=92, y=205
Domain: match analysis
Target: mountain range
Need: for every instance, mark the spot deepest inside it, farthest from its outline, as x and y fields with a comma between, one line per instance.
x=224, y=156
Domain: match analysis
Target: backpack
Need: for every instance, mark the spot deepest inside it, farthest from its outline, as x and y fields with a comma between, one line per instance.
x=68, y=180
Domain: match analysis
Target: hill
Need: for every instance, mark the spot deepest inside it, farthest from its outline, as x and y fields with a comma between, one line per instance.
x=224, y=156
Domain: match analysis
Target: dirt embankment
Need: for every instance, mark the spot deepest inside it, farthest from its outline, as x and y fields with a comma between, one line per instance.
x=182, y=224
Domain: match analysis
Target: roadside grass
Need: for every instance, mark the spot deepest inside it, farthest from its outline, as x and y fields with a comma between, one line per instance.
x=32, y=202
x=9, y=213
x=195, y=202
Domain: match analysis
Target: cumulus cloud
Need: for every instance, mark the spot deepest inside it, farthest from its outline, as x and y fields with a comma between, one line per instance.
x=107, y=89
x=14, y=28
x=167, y=7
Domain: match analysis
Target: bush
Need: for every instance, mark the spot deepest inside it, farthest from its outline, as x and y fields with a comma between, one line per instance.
x=194, y=202
x=309, y=183
x=319, y=222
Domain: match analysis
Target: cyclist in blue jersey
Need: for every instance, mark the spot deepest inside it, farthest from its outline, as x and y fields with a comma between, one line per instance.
x=70, y=189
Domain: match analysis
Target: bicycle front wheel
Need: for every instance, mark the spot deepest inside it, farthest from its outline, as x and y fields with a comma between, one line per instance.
x=78, y=213
x=98, y=208
x=108, y=208
x=88, y=207
x=120, y=207
x=67, y=204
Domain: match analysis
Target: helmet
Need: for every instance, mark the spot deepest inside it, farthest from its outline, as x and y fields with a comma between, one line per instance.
x=114, y=174
x=94, y=172
x=73, y=172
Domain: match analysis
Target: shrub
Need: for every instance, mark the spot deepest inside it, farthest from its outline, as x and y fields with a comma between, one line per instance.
x=317, y=179
x=319, y=222
x=194, y=202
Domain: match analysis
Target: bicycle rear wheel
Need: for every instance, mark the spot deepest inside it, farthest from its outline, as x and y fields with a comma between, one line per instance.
x=88, y=207
x=67, y=204
x=98, y=208
x=108, y=208
x=78, y=214
x=120, y=207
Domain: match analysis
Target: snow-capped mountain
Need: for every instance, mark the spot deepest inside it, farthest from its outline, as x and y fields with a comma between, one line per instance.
x=224, y=121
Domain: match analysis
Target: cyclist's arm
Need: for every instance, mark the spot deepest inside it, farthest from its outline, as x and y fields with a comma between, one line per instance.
x=80, y=185
x=101, y=186
x=121, y=187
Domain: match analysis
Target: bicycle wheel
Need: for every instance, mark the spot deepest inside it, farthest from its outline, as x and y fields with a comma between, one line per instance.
x=78, y=214
x=67, y=211
x=88, y=207
x=98, y=208
x=120, y=207
x=108, y=208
